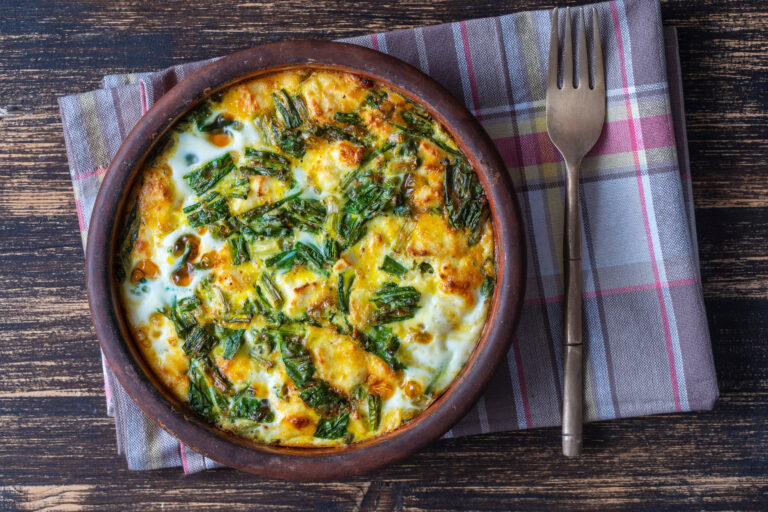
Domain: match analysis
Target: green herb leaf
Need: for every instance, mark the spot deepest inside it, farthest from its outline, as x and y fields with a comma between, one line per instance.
x=239, y=247
x=286, y=109
x=245, y=406
x=351, y=228
x=297, y=360
x=220, y=123
x=445, y=147
x=230, y=339
x=236, y=185
x=198, y=342
x=268, y=128
x=374, y=412
x=331, y=250
x=425, y=268
x=285, y=260
x=127, y=238
x=348, y=118
x=381, y=342
x=418, y=123
x=335, y=133
x=210, y=209
x=204, y=399
x=489, y=283
x=273, y=224
x=392, y=266
x=310, y=254
x=374, y=154
x=394, y=303
x=181, y=314
x=465, y=200
x=334, y=428
x=322, y=398
x=366, y=197
x=307, y=213
x=205, y=177
x=344, y=289
x=375, y=98
x=272, y=291
x=300, y=254
x=293, y=144
x=199, y=115
x=266, y=163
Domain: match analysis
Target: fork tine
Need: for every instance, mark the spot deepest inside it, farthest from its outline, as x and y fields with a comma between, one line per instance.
x=568, y=51
x=552, y=66
x=583, y=62
x=597, y=54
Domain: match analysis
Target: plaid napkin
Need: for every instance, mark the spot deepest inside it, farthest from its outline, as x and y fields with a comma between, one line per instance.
x=647, y=343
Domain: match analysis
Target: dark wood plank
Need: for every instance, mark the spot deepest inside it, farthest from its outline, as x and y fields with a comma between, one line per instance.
x=57, y=450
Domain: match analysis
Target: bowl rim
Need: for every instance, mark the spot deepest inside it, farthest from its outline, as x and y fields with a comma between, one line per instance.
x=306, y=463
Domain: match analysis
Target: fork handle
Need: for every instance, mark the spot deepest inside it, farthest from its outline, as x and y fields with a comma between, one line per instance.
x=572, y=322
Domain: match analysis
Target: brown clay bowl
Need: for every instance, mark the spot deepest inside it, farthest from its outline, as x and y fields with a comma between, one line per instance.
x=305, y=463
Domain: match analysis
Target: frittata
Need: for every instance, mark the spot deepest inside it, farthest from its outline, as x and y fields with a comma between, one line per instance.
x=307, y=259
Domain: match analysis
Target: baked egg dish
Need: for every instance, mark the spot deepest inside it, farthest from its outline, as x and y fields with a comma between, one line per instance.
x=306, y=259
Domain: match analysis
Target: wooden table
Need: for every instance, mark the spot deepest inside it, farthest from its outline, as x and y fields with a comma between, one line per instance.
x=57, y=446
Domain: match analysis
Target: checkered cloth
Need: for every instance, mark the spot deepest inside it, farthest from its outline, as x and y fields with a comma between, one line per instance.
x=647, y=344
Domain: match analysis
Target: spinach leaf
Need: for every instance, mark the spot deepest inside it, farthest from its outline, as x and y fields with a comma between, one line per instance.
x=230, y=340
x=245, y=406
x=181, y=314
x=204, y=399
x=322, y=398
x=333, y=428
x=465, y=200
x=382, y=343
x=297, y=360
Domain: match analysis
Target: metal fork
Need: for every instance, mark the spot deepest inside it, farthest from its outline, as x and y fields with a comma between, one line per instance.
x=575, y=116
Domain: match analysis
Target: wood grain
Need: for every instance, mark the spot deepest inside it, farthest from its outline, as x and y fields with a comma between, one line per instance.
x=57, y=450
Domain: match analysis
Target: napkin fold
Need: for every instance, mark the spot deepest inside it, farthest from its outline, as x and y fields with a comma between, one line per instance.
x=647, y=343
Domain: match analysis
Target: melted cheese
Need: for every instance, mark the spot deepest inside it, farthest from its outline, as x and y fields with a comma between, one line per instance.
x=441, y=265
